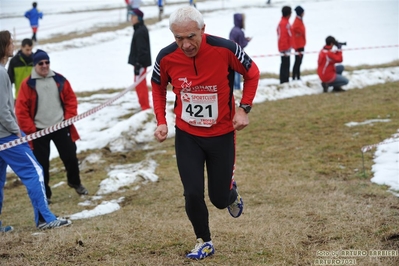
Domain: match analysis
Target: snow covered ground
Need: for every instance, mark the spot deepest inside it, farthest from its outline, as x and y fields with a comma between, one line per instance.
x=99, y=61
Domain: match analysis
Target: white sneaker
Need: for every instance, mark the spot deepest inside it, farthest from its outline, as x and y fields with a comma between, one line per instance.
x=201, y=250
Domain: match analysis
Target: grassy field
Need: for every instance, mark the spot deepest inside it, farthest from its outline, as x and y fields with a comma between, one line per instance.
x=299, y=171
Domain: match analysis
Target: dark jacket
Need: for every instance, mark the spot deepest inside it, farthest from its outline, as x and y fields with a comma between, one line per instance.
x=140, y=50
x=19, y=68
x=237, y=34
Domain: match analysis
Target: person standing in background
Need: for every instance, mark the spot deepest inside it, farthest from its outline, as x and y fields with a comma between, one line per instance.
x=20, y=158
x=21, y=65
x=160, y=6
x=285, y=44
x=299, y=41
x=140, y=55
x=34, y=15
x=45, y=99
x=237, y=35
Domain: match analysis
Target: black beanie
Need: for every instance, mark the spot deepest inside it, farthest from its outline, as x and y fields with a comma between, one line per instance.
x=39, y=56
x=299, y=10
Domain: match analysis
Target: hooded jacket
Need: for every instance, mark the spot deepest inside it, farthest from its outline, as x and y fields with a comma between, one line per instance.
x=326, y=63
x=237, y=34
x=19, y=68
x=26, y=104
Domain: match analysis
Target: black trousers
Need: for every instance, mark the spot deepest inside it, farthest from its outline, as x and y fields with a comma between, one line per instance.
x=67, y=151
x=296, y=71
x=218, y=154
x=285, y=69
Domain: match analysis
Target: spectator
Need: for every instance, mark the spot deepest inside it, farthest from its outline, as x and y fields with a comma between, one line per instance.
x=206, y=117
x=160, y=6
x=140, y=56
x=285, y=44
x=329, y=73
x=34, y=15
x=237, y=35
x=21, y=64
x=299, y=41
x=45, y=99
x=20, y=158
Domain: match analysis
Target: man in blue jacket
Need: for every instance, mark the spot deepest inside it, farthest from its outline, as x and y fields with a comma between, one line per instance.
x=33, y=15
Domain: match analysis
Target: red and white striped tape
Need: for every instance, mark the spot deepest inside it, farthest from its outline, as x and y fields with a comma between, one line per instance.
x=314, y=52
x=69, y=121
x=369, y=147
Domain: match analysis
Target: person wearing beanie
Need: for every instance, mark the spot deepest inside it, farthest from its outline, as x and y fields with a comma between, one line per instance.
x=299, y=41
x=237, y=35
x=330, y=73
x=140, y=56
x=34, y=15
x=20, y=157
x=284, y=43
x=45, y=99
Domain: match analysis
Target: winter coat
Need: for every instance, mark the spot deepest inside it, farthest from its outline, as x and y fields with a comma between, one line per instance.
x=284, y=35
x=298, y=33
x=26, y=104
x=237, y=34
x=140, y=52
x=33, y=15
x=19, y=68
x=326, y=63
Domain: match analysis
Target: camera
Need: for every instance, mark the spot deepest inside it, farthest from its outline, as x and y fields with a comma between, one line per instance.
x=337, y=43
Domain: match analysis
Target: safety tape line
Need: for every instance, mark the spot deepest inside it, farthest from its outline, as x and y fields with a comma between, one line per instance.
x=369, y=147
x=314, y=52
x=69, y=121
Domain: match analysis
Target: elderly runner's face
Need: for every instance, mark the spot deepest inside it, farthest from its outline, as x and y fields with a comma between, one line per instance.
x=188, y=37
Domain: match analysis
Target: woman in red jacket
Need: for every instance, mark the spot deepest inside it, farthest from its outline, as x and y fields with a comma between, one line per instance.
x=299, y=41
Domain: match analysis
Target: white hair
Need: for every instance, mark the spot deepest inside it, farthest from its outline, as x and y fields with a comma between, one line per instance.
x=186, y=14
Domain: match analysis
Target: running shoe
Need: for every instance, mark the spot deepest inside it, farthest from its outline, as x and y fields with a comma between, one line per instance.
x=201, y=250
x=57, y=223
x=5, y=229
x=235, y=209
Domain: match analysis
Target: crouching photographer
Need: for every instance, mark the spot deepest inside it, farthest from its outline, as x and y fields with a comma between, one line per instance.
x=329, y=73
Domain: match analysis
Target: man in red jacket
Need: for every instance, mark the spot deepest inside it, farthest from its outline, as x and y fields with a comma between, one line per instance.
x=299, y=41
x=329, y=73
x=200, y=68
x=45, y=99
x=285, y=44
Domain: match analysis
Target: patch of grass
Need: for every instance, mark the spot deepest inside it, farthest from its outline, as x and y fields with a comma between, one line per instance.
x=299, y=170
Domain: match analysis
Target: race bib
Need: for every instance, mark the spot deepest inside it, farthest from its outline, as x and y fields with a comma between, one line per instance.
x=200, y=110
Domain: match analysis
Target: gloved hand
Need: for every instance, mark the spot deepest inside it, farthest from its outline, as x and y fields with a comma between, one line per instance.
x=338, y=45
x=137, y=68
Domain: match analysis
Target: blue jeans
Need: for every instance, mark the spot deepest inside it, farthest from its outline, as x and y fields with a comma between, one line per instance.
x=339, y=79
x=24, y=164
x=237, y=81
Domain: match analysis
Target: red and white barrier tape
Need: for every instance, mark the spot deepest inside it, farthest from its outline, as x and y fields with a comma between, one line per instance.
x=314, y=52
x=69, y=121
x=369, y=147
